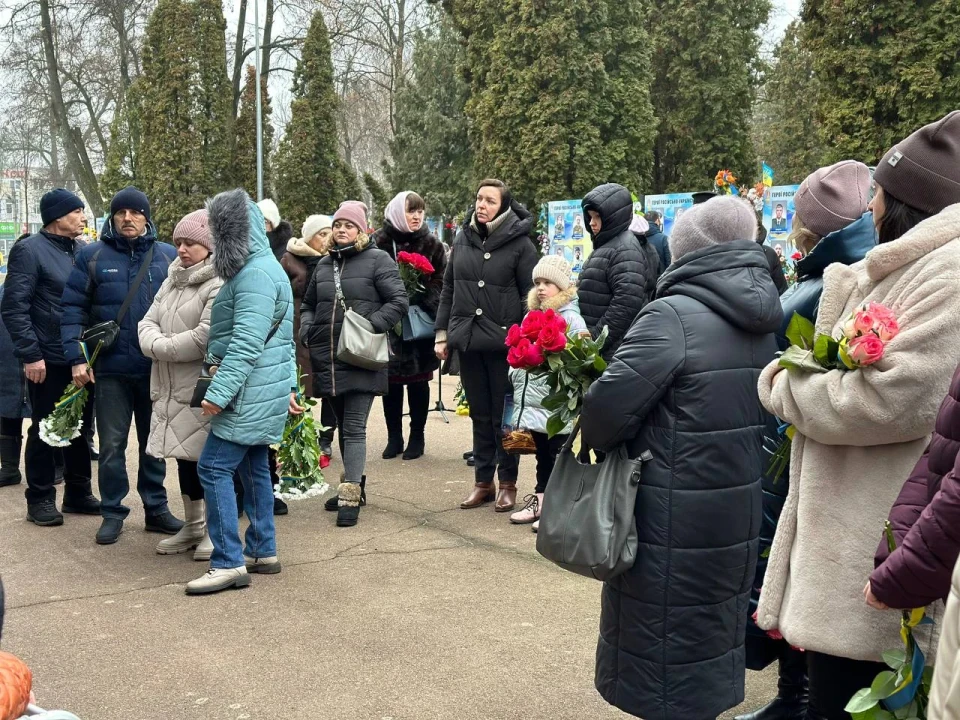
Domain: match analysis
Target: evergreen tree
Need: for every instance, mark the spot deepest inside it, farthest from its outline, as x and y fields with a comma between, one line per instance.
x=559, y=99
x=785, y=131
x=704, y=85
x=168, y=145
x=884, y=71
x=123, y=156
x=378, y=195
x=310, y=177
x=211, y=95
x=431, y=149
x=245, y=158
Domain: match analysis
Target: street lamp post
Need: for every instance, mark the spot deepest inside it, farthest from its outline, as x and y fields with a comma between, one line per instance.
x=256, y=21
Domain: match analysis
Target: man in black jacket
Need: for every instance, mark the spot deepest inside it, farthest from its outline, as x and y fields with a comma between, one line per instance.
x=36, y=274
x=658, y=239
x=618, y=280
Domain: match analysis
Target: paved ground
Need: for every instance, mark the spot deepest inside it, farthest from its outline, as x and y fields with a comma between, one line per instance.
x=422, y=611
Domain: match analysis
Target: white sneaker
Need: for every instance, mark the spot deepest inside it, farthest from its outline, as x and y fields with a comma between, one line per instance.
x=264, y=566
x=204, y=549
x=217, y=579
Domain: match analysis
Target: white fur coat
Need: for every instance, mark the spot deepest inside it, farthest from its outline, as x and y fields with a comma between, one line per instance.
x=859, y=435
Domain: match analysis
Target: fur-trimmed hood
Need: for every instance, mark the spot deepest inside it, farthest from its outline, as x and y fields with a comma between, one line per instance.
x=558, y=301
x=300, y=248
x=238, y=231
x=198, y=274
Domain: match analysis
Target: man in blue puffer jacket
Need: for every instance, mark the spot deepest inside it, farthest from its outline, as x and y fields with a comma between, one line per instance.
x=103, y=275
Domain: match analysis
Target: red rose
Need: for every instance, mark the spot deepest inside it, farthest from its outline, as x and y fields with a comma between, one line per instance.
x=796, y=256
x=532, y=325
x=525, y=355
x=424, y=265
x=324, y=461
x=513, y=336
x=404, y=257
x=551, y=339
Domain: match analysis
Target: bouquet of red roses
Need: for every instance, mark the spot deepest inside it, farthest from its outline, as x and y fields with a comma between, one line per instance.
x=541, y=346
x=413, y=268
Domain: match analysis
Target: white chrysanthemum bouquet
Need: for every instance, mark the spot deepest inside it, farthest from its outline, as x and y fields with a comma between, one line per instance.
x=64, y=424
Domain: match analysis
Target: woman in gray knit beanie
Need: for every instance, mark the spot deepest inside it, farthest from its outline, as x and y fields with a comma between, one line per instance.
x=720, y=220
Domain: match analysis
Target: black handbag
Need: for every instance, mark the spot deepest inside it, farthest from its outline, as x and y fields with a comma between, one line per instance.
x=210, y=367
x=104, y=335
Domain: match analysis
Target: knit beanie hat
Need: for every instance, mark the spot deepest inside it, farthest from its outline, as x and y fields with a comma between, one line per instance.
x=720, y=220
x=270, y=211
x=57, y=203
x=924, y=170
x=833, y=197
x=555, y=269
x=314, y=224
x=195, y=227
x=130, y=198
x=353, y=211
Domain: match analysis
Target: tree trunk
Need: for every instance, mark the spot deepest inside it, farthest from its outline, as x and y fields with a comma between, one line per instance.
x=267, y=39
x=77, y=158
x=238, y=57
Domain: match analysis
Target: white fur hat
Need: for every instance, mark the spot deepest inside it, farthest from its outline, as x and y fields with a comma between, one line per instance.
x=270, y=211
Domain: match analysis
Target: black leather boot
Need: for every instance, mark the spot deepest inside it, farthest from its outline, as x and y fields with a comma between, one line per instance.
x=393, y=415
x=791, y=700
x=10, y=460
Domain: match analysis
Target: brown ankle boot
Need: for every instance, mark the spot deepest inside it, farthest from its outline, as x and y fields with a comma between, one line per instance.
x=507, y=497
x=481, y=494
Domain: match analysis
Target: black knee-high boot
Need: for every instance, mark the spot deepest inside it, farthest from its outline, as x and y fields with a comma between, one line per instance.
x=10, y=446
x=418, y=396
x=393, y=414
x=791, y=700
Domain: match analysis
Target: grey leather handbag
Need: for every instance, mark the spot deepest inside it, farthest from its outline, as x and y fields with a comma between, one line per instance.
x=360, y=345
x=587, y=522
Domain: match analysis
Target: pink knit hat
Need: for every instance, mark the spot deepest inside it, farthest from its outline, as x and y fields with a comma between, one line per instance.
x=195, y=227
x=833, y=197
x=353, y=211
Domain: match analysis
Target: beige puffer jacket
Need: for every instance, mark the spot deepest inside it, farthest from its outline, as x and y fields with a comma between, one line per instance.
x=174, y=334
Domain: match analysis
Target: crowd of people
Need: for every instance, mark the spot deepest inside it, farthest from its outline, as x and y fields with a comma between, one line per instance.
x=737, y=566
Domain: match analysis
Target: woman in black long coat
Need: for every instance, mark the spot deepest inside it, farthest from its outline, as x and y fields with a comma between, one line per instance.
x=414, y=361
x=488, y=276
x=683, y=385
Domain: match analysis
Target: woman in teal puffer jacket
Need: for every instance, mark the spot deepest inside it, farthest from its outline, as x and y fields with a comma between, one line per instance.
x=253, y=389
x=552, y=290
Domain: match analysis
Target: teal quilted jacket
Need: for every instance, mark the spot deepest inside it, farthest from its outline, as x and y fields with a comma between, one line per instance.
x=254, y=381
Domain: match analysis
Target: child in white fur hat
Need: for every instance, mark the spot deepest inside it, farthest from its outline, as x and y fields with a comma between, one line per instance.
x=552, y=289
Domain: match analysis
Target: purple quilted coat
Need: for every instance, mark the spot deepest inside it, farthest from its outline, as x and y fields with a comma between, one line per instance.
x=926, y=520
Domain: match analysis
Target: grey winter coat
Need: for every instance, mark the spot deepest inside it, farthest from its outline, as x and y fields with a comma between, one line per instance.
x=683, y=386
x=529, y=390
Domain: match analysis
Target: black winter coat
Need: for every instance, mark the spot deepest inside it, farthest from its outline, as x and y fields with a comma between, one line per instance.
x=776, y=269
x=371, y=287
x=684, y=386
x=417, y=358
x=37, y=272
x=279, y=237
x=486, y=282
x=661, y=244
x=618, y=279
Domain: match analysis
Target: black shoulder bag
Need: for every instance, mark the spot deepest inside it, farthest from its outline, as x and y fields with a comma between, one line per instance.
x=104, y=334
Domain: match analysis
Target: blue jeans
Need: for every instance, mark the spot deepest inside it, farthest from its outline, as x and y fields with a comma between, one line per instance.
x=120, y=399
x=219, y=461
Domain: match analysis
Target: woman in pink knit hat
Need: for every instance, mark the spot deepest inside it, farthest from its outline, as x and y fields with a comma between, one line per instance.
x=174, y=335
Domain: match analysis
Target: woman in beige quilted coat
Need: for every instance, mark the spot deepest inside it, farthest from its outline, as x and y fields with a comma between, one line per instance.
x=859, y=433
x=174, y=335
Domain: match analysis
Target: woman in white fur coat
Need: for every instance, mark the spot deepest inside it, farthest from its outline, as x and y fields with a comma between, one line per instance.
x=174, y=335
x=860, y=433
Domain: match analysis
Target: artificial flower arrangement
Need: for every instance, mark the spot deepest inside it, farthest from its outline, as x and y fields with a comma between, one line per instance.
x=64, y=424
x=298, y=455
x=725, y=183
x=541, y=346
x=862, y=343
x=903, y=691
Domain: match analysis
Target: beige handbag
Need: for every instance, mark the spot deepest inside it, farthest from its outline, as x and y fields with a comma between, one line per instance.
x=359, y=344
